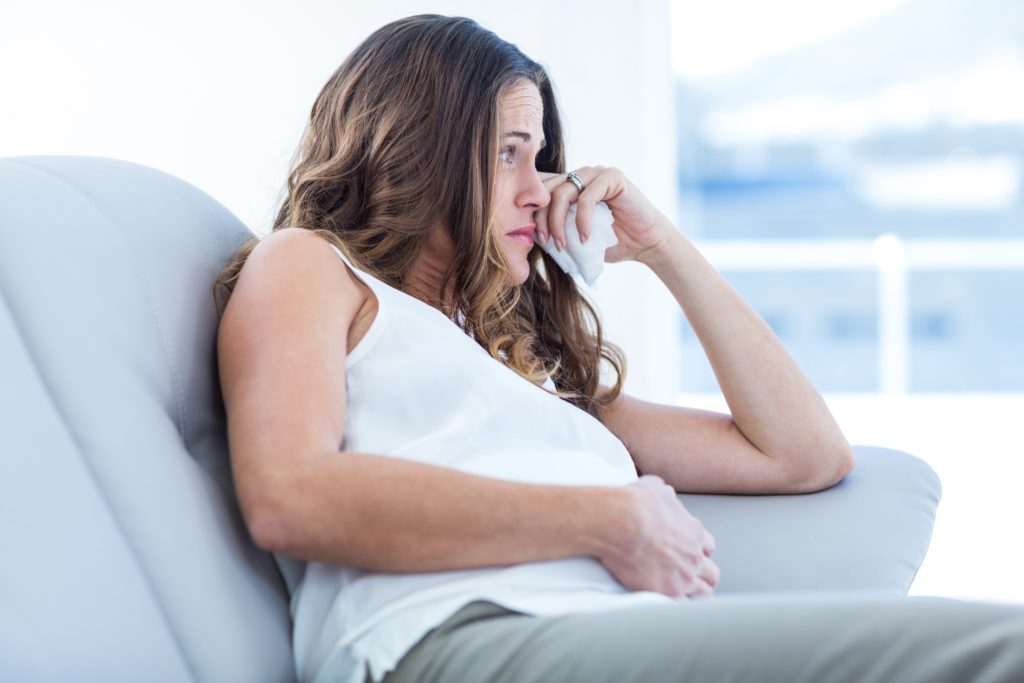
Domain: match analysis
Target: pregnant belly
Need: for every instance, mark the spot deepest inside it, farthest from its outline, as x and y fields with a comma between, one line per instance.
x=531, y=465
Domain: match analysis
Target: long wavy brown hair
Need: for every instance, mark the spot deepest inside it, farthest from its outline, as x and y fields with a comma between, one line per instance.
x=404, y=136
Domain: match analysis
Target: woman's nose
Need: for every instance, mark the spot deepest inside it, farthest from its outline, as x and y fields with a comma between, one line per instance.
x=535, y=192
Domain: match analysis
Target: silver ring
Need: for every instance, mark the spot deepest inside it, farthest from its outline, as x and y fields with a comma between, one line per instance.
x=575, y=180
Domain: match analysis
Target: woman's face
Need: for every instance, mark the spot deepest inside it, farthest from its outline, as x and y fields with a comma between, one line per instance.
x=519, y=191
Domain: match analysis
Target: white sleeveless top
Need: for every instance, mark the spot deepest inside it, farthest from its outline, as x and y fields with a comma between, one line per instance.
x=420, y=388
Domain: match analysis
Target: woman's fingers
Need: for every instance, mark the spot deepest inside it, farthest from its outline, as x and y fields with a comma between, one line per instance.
x=540, y=217
x=704, y=591
x=595, y=190
x=563, y=194
x=709, y=543
x=707, y=579
x=710, y=572
x=584, y=210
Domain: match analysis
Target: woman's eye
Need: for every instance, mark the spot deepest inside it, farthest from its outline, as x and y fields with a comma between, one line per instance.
x=506, y=154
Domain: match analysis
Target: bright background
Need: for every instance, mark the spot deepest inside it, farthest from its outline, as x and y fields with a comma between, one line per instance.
x=854, y=169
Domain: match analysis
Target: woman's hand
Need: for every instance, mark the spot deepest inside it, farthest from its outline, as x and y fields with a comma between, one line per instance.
x=642, y=230
x=669, y=550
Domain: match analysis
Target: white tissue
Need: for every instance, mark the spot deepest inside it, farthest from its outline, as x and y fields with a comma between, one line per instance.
x=586, y=260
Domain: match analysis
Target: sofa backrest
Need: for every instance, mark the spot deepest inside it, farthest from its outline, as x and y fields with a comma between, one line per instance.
x=125, y=554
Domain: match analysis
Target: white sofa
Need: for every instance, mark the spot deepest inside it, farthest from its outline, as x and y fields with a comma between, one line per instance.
x=126, y=558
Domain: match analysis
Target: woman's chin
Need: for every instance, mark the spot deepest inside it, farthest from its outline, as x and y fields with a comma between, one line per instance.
x=520, y=266
x=520, y=271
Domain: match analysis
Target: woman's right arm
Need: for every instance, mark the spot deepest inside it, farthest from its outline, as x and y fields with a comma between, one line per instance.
x=282, y=361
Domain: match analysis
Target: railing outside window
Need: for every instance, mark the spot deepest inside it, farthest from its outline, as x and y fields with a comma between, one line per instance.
x=892, y=259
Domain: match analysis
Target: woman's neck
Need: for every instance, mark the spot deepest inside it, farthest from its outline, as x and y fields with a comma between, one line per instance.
x=424, y=279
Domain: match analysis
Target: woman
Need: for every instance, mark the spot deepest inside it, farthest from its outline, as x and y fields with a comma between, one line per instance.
x=508, y=526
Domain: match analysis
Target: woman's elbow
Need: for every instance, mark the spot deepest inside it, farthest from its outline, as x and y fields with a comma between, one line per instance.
x=840, y=464
x=845, y=461
x=829, y=466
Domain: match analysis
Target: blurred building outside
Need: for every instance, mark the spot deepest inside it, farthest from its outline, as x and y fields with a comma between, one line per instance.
x=863, y=191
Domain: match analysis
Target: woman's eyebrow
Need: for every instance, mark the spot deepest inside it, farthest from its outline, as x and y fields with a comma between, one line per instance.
x=525, y=137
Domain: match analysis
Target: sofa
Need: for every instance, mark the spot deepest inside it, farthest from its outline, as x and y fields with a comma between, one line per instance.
x=126, y=556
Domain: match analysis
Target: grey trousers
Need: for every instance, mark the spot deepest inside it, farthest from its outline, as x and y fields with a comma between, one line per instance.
x=786, y=637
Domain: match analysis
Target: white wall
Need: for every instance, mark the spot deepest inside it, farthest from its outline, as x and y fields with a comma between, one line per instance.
x=217, y=92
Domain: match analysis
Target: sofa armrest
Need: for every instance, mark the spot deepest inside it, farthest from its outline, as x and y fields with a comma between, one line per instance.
x=869, y=532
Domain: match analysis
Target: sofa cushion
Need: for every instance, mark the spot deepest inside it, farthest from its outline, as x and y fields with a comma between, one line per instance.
x=119, y=527
x=869, y=532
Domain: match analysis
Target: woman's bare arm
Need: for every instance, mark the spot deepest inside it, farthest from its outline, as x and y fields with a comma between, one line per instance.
x=390, y=514
x=282, y=361
x=393, y=515
x=780, y=431
x=774, y=407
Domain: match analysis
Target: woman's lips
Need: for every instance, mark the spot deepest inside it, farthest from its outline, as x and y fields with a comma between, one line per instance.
x=526, y=237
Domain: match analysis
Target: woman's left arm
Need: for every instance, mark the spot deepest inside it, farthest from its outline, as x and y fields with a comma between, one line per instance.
x=776, y=413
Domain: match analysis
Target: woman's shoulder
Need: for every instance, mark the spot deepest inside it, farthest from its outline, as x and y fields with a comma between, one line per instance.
x=294, y=240
x=301, y=249
x=305, y=268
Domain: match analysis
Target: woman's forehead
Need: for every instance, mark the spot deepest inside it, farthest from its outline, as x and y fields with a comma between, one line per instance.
x=521, y=105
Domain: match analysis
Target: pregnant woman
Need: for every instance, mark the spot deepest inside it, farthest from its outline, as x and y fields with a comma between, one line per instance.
x=421, y=433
